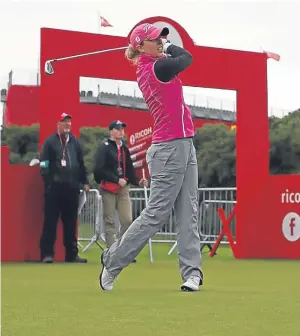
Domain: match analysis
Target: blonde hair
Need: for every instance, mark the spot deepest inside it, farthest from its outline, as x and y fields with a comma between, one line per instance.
x=132, y=54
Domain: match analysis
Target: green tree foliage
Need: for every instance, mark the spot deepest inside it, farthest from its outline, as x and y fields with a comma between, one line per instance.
x=215, y=146
x=90, y=139
x=22, y=141
x=285, y=144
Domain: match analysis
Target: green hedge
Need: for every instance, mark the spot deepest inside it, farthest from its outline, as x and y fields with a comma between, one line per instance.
x=215, y=146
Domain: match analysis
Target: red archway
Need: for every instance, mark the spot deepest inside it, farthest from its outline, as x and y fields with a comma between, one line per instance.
x=260, y=211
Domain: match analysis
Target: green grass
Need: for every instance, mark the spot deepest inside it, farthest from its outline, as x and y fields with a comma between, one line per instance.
x=239, y=297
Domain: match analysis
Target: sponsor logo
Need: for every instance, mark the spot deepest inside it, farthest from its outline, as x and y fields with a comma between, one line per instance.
x=290, y=197
x=140, y=135
x=291, y=226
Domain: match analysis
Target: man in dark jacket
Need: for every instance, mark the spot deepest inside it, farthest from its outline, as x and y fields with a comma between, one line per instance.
x=64, y=173
x=114, y=171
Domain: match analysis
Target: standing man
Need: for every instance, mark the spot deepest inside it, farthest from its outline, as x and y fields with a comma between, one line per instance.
x=114, y=171
x=64, y=173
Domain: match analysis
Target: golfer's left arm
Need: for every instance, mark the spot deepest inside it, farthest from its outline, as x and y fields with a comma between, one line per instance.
x=167, y=68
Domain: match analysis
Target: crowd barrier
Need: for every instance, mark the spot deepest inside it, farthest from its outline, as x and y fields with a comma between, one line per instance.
x=90, y=215
x=210, y=224
x=91, y=225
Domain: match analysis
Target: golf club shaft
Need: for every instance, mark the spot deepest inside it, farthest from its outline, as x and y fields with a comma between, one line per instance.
x=146, y=203
x=87, y=54
x=145, y=188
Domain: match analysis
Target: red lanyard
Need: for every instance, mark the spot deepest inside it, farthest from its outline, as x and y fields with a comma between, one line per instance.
x=119, y=158
x=119, y=155
x=63, y=146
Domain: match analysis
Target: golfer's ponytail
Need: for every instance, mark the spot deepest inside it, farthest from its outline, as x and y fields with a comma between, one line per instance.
x=132, y=54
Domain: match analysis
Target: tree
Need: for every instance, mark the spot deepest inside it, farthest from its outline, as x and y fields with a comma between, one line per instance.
x=215, y=146
x=285, y=144
x=216, y=154
x=23, y=142
x=90, y=139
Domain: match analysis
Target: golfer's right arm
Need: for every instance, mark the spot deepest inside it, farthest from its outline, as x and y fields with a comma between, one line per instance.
x=100, y=172
x=167, y=68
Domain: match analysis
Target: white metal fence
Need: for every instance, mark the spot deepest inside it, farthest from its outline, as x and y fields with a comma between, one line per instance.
x=210, y=200
x=90, y=219
x=91, y=227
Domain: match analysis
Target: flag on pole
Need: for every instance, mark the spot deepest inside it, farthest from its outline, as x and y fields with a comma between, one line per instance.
x=272, y=55
x=104, y=22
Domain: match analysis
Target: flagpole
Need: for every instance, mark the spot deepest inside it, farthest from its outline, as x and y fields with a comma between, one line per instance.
x=99, y=22
x=38, y=70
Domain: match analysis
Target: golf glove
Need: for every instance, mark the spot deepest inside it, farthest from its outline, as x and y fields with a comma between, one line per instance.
x=166, y=44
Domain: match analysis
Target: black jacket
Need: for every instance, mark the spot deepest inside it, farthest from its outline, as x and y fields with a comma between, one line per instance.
x=74, y=173
x=106, y=164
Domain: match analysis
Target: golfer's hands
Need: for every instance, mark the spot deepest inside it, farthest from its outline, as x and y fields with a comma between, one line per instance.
x=143, y=183
x=166, y=44
x=122, y=182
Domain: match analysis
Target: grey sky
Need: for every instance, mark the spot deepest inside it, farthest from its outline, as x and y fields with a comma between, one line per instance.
x=235, y=25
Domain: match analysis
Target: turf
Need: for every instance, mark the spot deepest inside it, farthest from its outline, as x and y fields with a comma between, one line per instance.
x=239, y=297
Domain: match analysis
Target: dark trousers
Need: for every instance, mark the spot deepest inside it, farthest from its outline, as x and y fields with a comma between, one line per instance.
x=61, y=200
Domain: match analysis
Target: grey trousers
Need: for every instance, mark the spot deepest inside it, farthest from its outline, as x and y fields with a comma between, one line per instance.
x=174, y=183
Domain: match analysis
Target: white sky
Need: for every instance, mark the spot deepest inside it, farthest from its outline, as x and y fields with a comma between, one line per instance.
x=243, y=25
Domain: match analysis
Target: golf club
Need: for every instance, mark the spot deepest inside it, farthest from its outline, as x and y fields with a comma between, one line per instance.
x=146, y=202
x=48, y=64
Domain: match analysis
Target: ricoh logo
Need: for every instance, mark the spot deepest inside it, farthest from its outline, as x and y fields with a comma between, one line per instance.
x=132, y=139
x=290, y=197
x=143, y=133
x=139, y=135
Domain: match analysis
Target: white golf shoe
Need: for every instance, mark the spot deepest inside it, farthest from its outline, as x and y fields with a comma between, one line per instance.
x=192, y=284
x=106, y=279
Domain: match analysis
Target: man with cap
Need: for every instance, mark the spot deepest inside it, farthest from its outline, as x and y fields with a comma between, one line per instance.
x=114, y=171
x=64, y=174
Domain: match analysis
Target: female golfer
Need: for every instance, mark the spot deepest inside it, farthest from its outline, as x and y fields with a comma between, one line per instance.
x=171, y=160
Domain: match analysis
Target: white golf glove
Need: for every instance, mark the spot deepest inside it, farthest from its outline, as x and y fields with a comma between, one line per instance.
x=166, y=44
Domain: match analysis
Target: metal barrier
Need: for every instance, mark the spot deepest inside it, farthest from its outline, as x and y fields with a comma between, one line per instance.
x=90, y=219
x=91, y=227
x=210, y=225
x=168, y=233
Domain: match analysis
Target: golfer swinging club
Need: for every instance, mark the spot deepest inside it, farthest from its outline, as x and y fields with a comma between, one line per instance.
x=171, y=160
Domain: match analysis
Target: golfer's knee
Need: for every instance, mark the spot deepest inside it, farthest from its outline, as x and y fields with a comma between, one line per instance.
x=156, y=216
